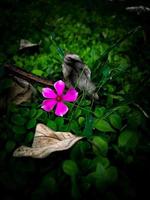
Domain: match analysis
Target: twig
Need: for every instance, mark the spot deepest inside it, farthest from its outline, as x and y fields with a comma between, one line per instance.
x=138, y=9
x=19, y=72
x=141, y=109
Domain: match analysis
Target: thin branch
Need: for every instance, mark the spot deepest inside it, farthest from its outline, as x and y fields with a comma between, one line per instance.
x=138, y=9
x=19, y=72
x=141, y=109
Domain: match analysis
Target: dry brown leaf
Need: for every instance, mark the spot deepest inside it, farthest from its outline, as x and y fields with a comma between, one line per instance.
x=28, y=47
x=26, y=44
x=76, y=73
x=47, y=141
x=21, y=91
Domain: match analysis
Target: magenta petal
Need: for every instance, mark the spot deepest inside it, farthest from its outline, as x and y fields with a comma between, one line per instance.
x=59, y=86
x=48, y=93
x=71, y=95
x=48, y=104
x=61, y=109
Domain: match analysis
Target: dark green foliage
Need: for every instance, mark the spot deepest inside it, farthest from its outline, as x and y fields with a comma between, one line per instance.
x=111, y=162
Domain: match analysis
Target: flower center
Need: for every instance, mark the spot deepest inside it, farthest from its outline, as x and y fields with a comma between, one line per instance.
x=59, y=98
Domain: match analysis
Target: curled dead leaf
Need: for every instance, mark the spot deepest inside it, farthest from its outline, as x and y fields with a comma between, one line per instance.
x=76, y=73
x=47, y=141
x=21, y=91
x=27, y=46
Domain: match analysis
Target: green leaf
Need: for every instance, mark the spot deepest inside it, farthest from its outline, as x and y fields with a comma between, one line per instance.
x=77, y=112
x=29, y=138
x=85, y=103
x=42, y=116
x=74, y=126
x=100, y=145
x=103, y=125
x=112, y=174
x=99, y=112
x=18, y=119
x=100, y=176
x=81, y=121
x=37, y=72
x=32, y=113
x=75, y=189
x=70, y=167
x=88, y=130
x=39, y=113
x=10, y=145
x=52, y=124
x=87, y=164
x=48, y=183
x=128, y=139
x=59, y=122
x=106, y=71
x=19, y=132
x=124, y=109
x=24, y=112
x=115, y=121
x=19, y=129
x=101, y=159
x=31, y=123
x=135, y=119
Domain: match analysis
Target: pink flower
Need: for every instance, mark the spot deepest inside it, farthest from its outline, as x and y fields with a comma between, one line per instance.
x=58, y=98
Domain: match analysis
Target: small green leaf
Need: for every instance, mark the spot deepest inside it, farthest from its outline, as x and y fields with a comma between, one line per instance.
x=115, y=120
x=24, y=112
x=135, y=119
x=85, y=103
x=18, y=119
x=39, y=113
x=10, y=145
x=48, y=183
x=31, y=123
x=33, y=112
x=88, y=130
x=37, y=72
x=106, y=71
x=100, y=145
x=99, y=112
x=29, y=137
x=59, y=122
x=19, y=132
x=70, y=167
x=51, y=124
x=42, y=115
x=103, y=125
x=100, y=176
x=87, y=163
x=74, y=126
x=75, y=189
x=112, y=174
x=81, y=120
x=19, y=129
x=128, y=139
x=77, y=112
x=124, y=109
x=101, y=159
